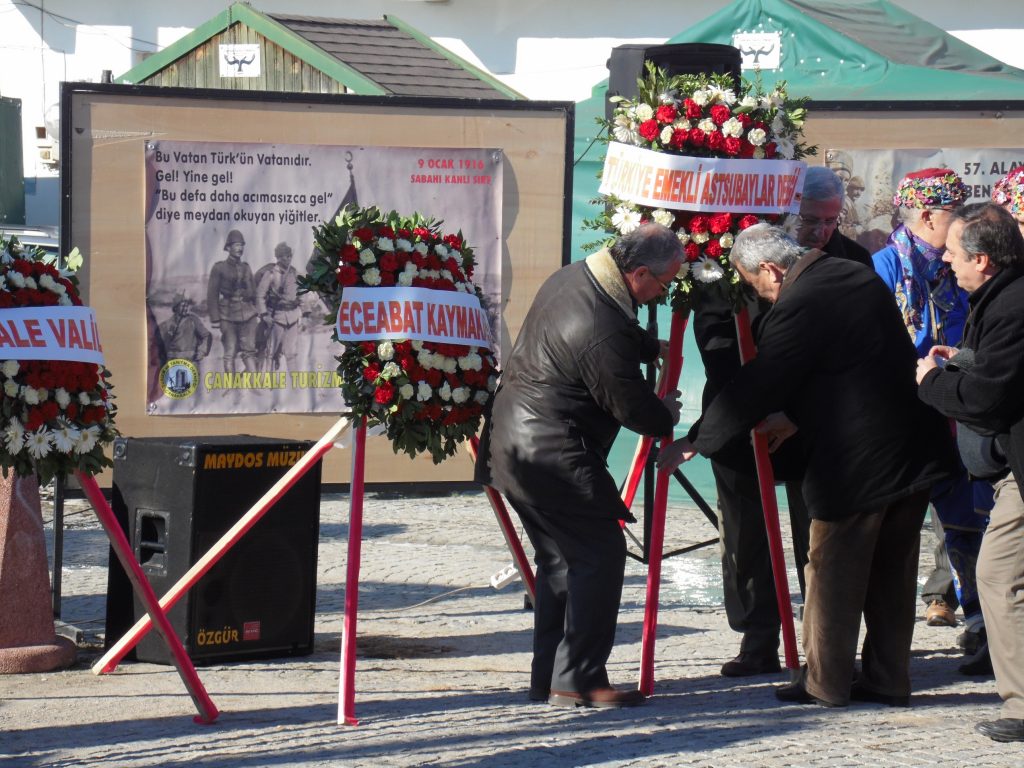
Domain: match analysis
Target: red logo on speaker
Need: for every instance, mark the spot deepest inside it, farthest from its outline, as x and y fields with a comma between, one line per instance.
x=251, y=630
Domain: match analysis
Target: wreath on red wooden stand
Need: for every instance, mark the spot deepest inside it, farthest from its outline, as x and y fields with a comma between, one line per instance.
x=57, y=415
x=428, y=395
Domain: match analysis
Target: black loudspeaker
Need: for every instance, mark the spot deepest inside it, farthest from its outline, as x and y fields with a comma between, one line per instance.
x=626, y=64
x=175, y=497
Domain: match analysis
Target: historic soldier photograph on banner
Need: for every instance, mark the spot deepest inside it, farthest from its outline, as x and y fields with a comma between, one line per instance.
x=229, y=228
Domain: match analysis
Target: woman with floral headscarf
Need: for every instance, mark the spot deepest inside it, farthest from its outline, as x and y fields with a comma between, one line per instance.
x=1009, y=193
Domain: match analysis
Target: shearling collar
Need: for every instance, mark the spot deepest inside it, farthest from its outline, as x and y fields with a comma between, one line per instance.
x=608, y=276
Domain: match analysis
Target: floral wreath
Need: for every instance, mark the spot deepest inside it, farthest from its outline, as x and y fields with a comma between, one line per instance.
x=701, y=116
x=429, y=396
x=58, y=415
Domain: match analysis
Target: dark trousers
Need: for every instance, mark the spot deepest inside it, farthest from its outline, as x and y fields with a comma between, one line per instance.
x=580, y=567
x=863, y=564
x=750, y=602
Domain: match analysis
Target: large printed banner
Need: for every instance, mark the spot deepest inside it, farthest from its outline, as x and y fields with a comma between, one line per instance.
x=229, y=226
x=871, y=177
x=661, y=180
x=50, y=333
x=448, y=317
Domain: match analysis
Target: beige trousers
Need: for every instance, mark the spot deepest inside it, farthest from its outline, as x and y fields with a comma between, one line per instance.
x=863, y=564
x=1001, y=589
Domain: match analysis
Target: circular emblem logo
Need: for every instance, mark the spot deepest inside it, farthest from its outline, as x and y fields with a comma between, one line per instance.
x=179, y=378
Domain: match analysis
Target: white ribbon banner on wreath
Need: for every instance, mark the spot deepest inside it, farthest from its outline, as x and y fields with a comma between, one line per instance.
x=448, y=317
x=50, y=333
x=661, y=180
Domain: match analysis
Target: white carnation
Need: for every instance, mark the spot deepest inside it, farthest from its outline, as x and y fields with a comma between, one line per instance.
x=707, y=125
x=385, y=244
x=403, y=245
x=385, y=350
x=367, y=256
x=460, y=395
x=10, y=368
x=700, y=237
x=407, y=391
x=62, y=397
x=663, y=217
x=423, y=391
x=445, y=392
x=83, y=398
x=31, y=283
x=482, y=397
x=644, y=112
x=425, y=359
x=390, y=370
x=700, y=97
x=471, y=362
x=11, y=388
x=371, y=276
x=30, y=395
x=732, y=128
x=421, y=248
x=448, y=365
x=441, y=250
x=416, y=344
x=748, y=103
x=405, y=278
x=16, y=278
x=666, y=134
x=726, y=240
x=682, y=125
x=757, y=136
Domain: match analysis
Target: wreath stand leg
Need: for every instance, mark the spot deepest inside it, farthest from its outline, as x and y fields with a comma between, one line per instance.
x=207, y=710
x=515, y=545
x=347, y=686
x=109, y=661
x=769, y=503
x=672, y=370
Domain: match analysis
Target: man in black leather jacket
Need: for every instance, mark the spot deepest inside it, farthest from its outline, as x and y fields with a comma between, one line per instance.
x=572, y=380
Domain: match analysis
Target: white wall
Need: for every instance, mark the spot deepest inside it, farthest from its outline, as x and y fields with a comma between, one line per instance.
x=546, y=49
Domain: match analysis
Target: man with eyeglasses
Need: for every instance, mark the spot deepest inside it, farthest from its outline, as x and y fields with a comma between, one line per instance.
x=817, y=224
x=934, y=309
x=572, y=380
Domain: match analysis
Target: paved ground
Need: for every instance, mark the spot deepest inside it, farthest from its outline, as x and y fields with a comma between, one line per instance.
x=442, y=675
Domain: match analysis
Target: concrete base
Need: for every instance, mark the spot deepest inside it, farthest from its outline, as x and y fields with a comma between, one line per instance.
x=28, y=641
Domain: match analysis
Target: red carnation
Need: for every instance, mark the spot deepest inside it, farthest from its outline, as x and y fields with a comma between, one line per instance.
x=732, y=145
x=748, y=221
x=386, y=232
x=745, y=120
x=434, y=377
x=720, y=222
x=453, y=241
x=698, y=224
x=387, y=279
x=679, y=137
x=697, y=137
x=388, y=261
x=384, y=393
x=363, y=234
x=371, y=372
x=368, y=347
x=666, y=114
x=770, y=149
x=713, y=249
x=715, y=141
x=692, y=109
x=692, y=251
x=649, y=129
x=720, y=113
x=348, y=275
x=348, y=253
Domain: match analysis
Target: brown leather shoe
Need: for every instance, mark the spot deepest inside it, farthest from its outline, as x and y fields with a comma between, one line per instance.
x=939, y=614
x=605, y=698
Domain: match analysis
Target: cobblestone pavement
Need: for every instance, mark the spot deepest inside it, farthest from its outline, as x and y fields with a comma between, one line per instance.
x=442, y=674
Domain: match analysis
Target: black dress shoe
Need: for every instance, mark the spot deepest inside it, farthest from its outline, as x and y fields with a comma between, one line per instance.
x=748, y=664
x=1003, y=729
x=859, y=693
x=795, y=693
x=978, y=664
